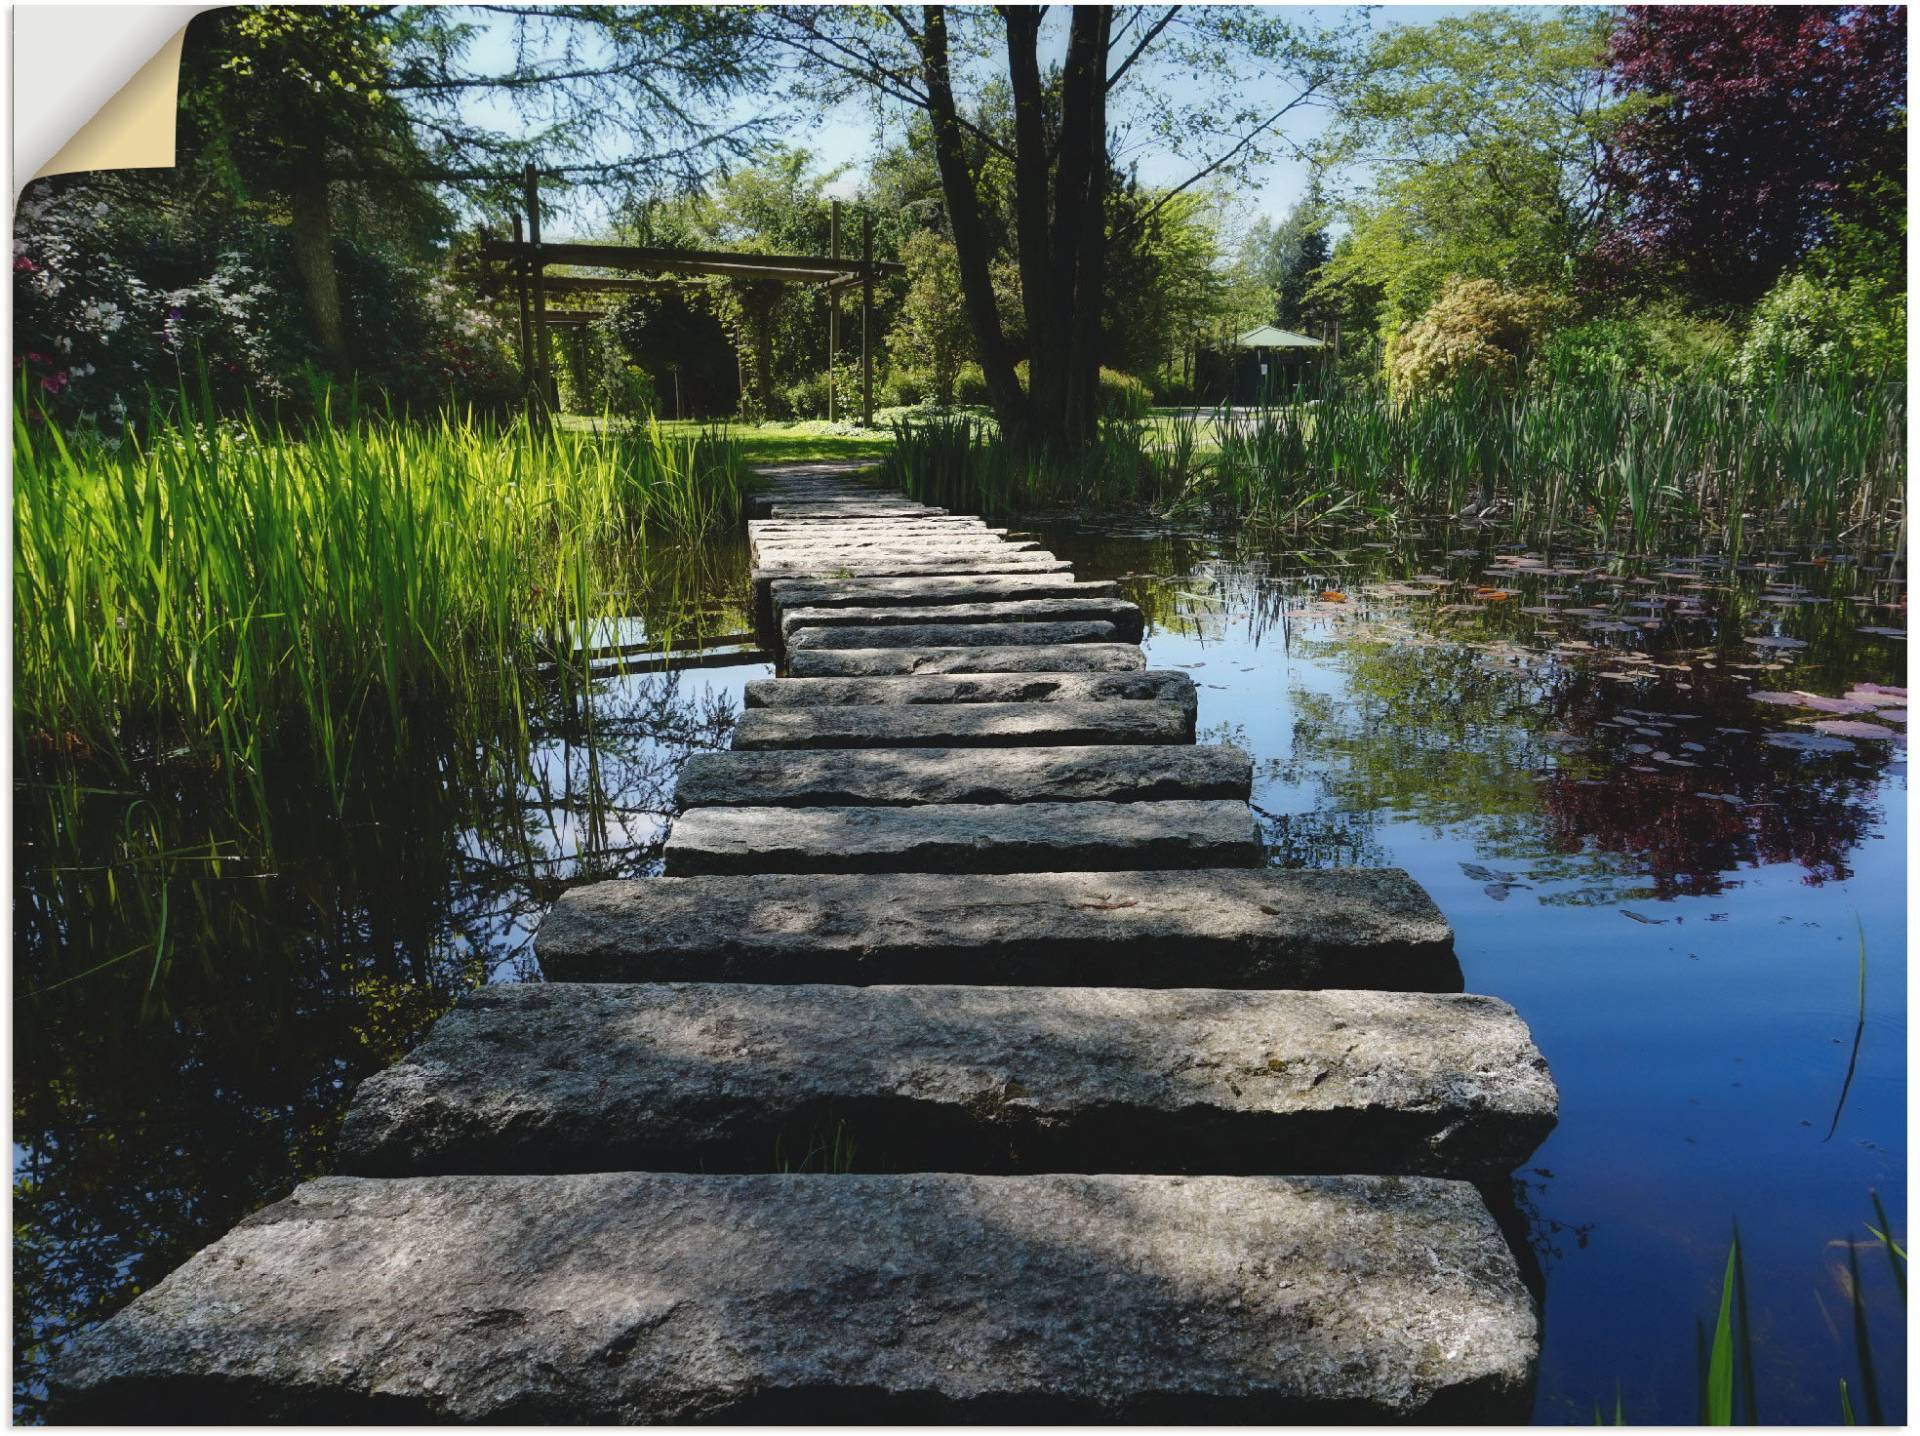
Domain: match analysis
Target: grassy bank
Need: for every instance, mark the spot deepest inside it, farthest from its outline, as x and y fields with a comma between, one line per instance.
x=773, y=442
x=219, y=591
x=1813, y=457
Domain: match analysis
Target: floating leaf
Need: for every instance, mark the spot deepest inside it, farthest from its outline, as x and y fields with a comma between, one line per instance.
x=1852, y=728
x=1810, y=742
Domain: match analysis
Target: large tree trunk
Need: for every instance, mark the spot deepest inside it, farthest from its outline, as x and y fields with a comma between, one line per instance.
x=312, y=231
x=969, y=231
x=1080, y=224
x=1059, y=224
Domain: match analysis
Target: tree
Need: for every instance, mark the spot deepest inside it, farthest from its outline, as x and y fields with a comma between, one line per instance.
x=1484, y=136
x=1177, y=67
x=286, y=107
x=274, y=99
x=932, y=334
x=1762, y=120
x=1287, y=258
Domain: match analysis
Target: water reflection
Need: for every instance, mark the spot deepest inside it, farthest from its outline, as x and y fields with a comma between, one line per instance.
x=1693, y=894
x=197, y=996
x=1562, y=746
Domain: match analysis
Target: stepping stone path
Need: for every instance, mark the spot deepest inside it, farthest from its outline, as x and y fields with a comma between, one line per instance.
x=1139, y=1128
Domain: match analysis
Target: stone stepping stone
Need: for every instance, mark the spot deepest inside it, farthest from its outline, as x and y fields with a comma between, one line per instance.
x=646, y=1297
x=963, y=837
x=948, y=635
x=964, y=725
x=1079, y=657
x=1013, y=561
x=1372, y=928
x=836, y=511
x=814, y=530
x=1123, y=614
x=1117, y=773
x=1161, y=684
x=838, y=538
x=880, y=592
x=713, y=1077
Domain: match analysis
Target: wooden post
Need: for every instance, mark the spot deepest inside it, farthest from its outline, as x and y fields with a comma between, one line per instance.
x=833, y=317
x=526, y=321
x=543, y=358
x=866, y=320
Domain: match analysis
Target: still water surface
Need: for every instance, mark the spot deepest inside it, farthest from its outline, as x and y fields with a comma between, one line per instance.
x=1671, y=880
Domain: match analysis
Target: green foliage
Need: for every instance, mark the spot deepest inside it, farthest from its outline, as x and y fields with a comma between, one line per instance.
x=224, y=587
x=1285, y=260
x=597, y=377
x=970, y=387
x=931, y=336
x=1475, y=331
x=1123, y=397
x=1621, y=461
x=1483, y=134
x=1824, y=317
x=119, y=291
x=1650, y=344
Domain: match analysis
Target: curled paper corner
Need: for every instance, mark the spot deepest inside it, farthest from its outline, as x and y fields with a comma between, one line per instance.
x=134, y=128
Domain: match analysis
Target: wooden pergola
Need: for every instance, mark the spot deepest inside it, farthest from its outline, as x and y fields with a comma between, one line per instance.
x=528, y=259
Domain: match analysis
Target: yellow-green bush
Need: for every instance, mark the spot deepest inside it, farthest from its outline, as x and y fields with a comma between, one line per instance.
x=1476, y=329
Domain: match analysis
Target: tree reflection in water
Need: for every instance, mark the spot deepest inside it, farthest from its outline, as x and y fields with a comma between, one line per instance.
x=264, y=968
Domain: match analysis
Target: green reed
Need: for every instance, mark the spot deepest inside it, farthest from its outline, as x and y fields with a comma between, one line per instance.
x=214, y=590
x=1815, y=455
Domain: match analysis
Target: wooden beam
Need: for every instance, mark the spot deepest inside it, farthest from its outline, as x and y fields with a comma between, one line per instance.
x=833, y=317
x=688, y=261
x=544, y=361
x=526, y=318
x=866, y=320
x=605, y=284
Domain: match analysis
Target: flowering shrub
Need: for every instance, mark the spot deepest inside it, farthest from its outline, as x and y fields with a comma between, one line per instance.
x=1476, y=329
x=117, y=303
x=108, y=307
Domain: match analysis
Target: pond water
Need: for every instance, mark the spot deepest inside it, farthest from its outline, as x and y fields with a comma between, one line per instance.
x=1672, y=881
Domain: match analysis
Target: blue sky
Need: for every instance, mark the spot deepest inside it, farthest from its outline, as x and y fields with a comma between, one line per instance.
x=849, y=135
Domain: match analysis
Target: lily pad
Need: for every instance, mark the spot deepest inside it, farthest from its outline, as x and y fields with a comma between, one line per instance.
x=1853, y=728
x=1810, y=742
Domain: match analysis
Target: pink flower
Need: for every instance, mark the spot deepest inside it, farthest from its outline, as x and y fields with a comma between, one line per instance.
x=23, y=265
x=54, y=383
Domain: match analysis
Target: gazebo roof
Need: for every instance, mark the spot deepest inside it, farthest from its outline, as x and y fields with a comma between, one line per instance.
x=1269, y=337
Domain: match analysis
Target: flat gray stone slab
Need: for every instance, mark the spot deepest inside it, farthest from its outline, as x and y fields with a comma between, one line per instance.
x=712, y=1077
x=949, y=635
x=1012, y=561
x=963, y=838
x=946, y=588
x=848, y=508
x=1123, y=614
x=835, y=529
x=1164, y=684
x=964, y=725
x=1221, y=927
x=633, y=1297
x=1080, y=657
x=1115, y=773
x=890, y=541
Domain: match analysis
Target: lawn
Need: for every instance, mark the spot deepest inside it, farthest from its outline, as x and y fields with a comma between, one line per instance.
x=775, y=443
